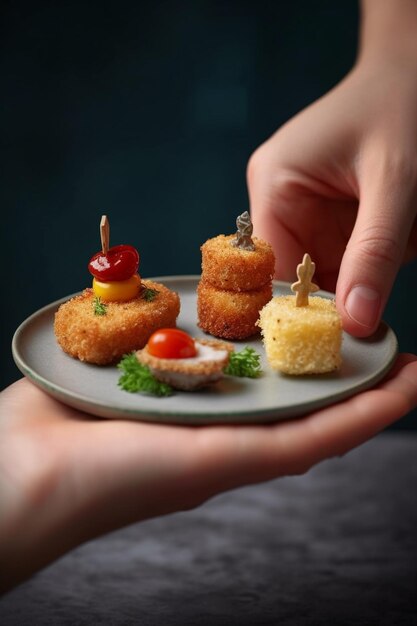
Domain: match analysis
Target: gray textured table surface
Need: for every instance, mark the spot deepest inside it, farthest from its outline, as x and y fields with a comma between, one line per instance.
x=336, y=546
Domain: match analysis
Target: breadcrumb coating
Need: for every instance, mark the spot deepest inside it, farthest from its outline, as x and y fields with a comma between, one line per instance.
x=302, y=340
x=230, y=314
x=189, y=365
x=126, y=326
x=227, y=267
x=190, y=373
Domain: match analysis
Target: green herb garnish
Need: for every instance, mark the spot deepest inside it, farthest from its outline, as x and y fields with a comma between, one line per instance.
x=149, y=294
x=244, y=364
x=99, y=307
x=138, y=378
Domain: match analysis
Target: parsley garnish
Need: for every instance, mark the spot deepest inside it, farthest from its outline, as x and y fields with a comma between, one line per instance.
x=138, y=378
x=244, y=364
x=99, y=307
x=149, y=294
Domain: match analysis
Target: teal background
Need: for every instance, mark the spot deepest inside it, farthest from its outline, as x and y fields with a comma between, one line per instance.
x=148, y=112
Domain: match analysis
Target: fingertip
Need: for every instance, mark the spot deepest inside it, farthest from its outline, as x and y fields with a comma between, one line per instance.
x=360, y=309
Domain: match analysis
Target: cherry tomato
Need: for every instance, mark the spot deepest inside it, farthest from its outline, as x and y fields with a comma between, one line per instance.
x=171, y=343
x=120, y=263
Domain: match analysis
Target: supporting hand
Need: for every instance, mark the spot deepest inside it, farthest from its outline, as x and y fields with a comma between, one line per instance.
x=66, y=477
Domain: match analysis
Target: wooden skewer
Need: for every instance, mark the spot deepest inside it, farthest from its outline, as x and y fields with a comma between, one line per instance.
x=105, y=234
x=303, y=287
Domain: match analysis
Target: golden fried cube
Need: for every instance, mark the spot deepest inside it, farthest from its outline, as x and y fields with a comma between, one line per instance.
x=301, y=340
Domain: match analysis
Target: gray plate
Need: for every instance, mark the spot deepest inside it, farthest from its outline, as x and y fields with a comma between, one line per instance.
x=269, y=398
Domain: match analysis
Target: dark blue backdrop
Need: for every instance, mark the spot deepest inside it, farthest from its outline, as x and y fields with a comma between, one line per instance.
x=148, y=112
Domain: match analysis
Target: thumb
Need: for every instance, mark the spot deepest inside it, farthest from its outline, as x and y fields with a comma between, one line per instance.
x=373, y=256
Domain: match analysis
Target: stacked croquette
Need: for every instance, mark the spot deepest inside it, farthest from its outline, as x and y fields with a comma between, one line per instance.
x=235, y=284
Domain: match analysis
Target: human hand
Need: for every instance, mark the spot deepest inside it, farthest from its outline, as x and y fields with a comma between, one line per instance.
x=66, y=477
x=339, y=181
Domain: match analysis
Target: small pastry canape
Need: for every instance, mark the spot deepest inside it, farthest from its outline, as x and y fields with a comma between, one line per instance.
x=302, y=335
x=175, y=358
x=119, y=313
x=236, y=282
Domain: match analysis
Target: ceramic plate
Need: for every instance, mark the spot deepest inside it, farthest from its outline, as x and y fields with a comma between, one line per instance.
x=270, y=398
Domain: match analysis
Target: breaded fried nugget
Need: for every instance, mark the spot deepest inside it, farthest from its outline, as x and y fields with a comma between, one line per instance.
x=126, y=326
x=228, y=267
x=230, y=314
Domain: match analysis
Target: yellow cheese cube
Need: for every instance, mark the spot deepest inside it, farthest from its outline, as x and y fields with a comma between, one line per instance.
x=301, y=340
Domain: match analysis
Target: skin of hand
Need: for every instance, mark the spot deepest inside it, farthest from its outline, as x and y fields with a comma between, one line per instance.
x=66, y=477
x=339, y=181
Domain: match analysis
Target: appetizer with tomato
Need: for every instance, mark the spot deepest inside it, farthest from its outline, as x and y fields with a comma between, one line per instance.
x=119, y=312
x=182, y=362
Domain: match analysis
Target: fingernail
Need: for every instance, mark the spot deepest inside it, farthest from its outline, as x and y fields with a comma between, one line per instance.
x=363, y=304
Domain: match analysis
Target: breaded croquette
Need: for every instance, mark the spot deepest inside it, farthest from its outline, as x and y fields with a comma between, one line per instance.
x=230, y=314
x=236, y=282
x=125, y=326
x=229, y=267
x=302, y=340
